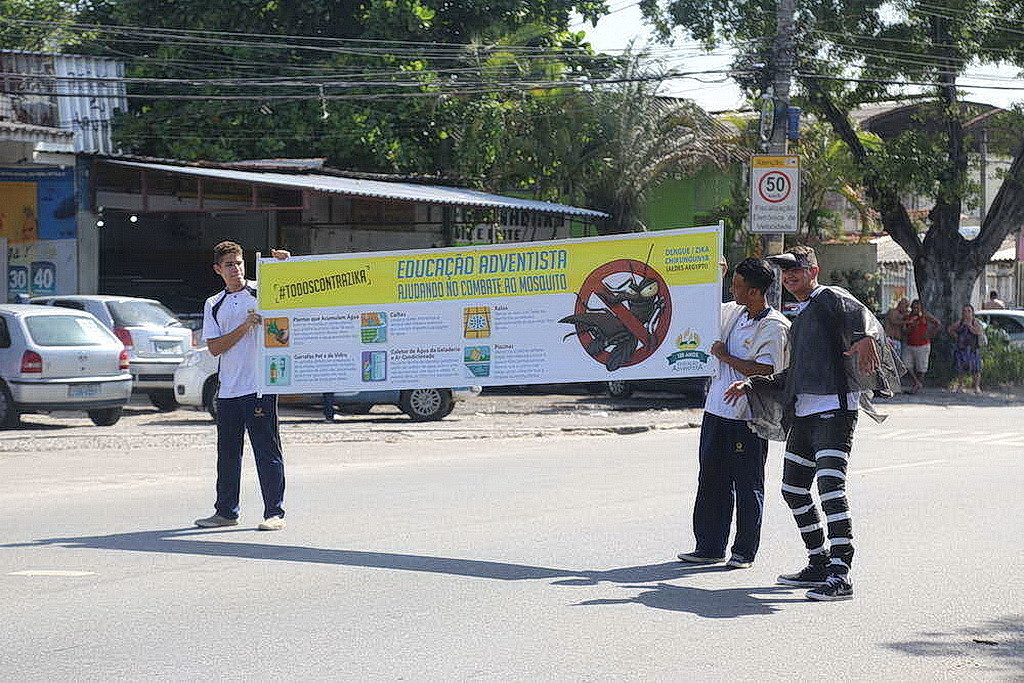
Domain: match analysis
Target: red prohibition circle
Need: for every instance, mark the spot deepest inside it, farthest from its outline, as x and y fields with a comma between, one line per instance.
x=597, y=281
x=773, y=174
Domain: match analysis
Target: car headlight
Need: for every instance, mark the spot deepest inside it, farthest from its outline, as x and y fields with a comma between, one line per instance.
x=190, y=360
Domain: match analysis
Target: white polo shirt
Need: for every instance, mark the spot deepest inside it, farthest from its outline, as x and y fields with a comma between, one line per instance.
x=737, y=344
x=237, y=364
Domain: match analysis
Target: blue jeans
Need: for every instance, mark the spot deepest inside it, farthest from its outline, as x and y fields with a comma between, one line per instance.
x=258, y=416
x=732, y=460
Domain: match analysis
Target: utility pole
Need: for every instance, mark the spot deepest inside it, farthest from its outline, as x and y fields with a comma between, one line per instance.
x=783, y=67
x=783, y=61
x=783, y=77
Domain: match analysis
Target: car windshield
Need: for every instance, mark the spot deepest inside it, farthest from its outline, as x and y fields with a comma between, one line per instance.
x=66, y=330
x=140, y=314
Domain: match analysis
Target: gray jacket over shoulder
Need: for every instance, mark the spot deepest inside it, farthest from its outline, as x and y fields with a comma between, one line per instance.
x=832, y=320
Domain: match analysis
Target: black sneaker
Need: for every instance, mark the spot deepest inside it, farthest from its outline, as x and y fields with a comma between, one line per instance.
x=837, y=587
x=811, y=576
x=699, y=558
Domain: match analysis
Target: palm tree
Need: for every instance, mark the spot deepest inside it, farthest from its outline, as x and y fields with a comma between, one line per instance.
x=646, y=139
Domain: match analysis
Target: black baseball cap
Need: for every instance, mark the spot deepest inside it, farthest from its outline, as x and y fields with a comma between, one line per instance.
x=788, y=259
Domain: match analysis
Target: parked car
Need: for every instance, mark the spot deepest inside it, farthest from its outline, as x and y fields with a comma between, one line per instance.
x=54, y=359
x=1010, y=321
x=155, y=339
x=196, y=381
x=697, y=387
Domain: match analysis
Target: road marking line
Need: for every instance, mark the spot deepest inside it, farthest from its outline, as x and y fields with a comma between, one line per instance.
x=898, y=467
x=50, y=572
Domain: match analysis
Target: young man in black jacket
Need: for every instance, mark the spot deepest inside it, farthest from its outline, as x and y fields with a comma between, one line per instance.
x=839, y=355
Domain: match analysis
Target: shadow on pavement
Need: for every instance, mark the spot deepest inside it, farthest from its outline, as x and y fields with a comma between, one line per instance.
x=998, y=640
x=709, y=603
x=703, y=602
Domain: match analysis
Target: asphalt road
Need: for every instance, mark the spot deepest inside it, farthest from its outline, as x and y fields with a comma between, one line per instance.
x=524, y=538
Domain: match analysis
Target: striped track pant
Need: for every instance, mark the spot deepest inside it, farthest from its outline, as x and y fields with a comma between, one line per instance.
x=819, y=448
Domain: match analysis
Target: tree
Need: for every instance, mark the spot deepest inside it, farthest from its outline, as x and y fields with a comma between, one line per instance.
x=852, y=52
x=392, y=86
x=826, y=166
x=20, y=27
x=644, y=138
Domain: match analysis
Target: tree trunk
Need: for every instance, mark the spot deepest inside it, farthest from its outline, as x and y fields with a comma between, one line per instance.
x=943, y=289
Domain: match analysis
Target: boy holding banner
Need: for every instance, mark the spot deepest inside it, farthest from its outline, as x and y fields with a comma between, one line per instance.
x=230, y=323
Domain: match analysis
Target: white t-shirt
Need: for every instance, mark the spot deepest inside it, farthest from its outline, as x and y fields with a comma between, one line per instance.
x=739, y=345
x=237, y=364
x=811, y=404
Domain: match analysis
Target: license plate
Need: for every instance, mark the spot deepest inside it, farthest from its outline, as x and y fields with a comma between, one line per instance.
x=167, y=346
x=83, y=390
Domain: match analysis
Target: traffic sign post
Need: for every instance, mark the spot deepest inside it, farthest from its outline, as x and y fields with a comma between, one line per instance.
x=774, y=194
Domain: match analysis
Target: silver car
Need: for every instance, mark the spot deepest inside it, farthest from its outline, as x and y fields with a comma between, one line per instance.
x=196, y=383
x=1010, y=321
x=57, y=359
x=155, y=339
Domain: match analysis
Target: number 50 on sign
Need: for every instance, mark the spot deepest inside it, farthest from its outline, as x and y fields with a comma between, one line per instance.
x=774, y=194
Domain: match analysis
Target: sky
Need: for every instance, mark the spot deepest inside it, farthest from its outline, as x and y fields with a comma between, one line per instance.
x=715, y=92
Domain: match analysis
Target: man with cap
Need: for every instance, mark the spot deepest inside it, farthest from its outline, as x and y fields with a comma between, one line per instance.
x=753, y=341
x=838, y=355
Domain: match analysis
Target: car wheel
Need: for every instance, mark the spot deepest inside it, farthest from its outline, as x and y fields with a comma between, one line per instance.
x=210, y=396
x=620, y=389
x=105, y=417
x=163, y=401
x=423, y=405
x=9, y=416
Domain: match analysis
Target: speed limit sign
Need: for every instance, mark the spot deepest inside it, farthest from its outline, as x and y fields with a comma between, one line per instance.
x=774, y=194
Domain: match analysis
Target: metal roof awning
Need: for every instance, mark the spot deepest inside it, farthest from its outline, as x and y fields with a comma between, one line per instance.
x=14, y=131
x=376, y=189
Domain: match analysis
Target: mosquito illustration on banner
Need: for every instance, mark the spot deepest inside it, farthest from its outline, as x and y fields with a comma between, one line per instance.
x=634, y=316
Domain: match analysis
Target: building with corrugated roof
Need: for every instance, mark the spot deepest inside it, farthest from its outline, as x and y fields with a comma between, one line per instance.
x=155, y=221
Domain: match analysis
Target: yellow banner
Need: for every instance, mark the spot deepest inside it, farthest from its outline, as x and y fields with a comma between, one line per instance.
x=681, y=257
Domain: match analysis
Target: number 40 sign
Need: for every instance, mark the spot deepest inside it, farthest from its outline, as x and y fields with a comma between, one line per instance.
x=774, y=194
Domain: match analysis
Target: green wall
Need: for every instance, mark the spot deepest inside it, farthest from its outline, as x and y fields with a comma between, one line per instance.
x=676, y=203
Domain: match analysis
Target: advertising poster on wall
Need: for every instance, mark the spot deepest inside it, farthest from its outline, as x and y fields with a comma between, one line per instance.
x=638, y=306
x=37, y=217
x=37, y=204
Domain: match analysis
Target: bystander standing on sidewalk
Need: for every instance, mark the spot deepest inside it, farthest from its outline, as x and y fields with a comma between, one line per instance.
x=993, y=302
x=920, y=326
x=895, y=324
x=968, y=334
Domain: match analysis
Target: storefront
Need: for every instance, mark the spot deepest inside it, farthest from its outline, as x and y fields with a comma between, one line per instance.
x=157, y=222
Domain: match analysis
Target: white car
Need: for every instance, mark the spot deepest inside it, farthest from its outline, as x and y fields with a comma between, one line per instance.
x=155, y=339
x=195, y=384
x=1010, y=321
x=59, y=359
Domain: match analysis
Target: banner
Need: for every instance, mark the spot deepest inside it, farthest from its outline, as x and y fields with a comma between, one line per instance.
x=638, y=306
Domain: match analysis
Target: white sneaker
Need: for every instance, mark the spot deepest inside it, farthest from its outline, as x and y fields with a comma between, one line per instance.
x=271, y=524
